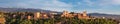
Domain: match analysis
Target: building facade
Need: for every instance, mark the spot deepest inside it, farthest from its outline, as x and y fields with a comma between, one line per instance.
x=37, y=15
x=82, y=15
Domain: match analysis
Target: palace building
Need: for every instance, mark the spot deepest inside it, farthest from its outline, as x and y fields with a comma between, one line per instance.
x=37, y=15
x=82, y=15
x=44, y=15
x=40, y=15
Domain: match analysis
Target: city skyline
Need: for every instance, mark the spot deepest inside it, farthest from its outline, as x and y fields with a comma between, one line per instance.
x=91, y=6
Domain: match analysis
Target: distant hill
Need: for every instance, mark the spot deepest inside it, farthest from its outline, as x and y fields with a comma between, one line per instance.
x=23, y=10
x=99, y=15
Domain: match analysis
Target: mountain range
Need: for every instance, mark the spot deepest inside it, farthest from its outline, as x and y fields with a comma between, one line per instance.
x=24, y=10
x=100, y=15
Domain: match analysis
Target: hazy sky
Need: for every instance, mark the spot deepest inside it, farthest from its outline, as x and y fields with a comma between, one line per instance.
x=91, y=6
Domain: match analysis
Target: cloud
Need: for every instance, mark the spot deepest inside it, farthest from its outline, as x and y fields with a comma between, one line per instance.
x=102, y=3
x=101, y=6
x=47, y=4
x=54, y=5
x=89, y=3
x=116, y=2
x=110, y=2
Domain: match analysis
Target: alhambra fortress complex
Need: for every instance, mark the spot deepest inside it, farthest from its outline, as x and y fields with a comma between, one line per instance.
x=45, y=15
x=65, y=13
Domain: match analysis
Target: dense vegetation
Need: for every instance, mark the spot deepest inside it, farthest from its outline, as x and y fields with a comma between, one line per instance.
x=56, y=20
x=61, y=21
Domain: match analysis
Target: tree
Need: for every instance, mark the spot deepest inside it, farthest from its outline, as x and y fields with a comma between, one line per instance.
x=1, y=15
x=26, y=22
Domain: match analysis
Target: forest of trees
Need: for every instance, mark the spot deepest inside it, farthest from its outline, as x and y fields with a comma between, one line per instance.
x=61, y=21
x=57, y=20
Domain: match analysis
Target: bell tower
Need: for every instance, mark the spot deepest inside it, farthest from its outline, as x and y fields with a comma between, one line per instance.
x=65, y=13
x=84, y=13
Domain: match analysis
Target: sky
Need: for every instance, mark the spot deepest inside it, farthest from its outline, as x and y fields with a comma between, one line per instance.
x=91, y=6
